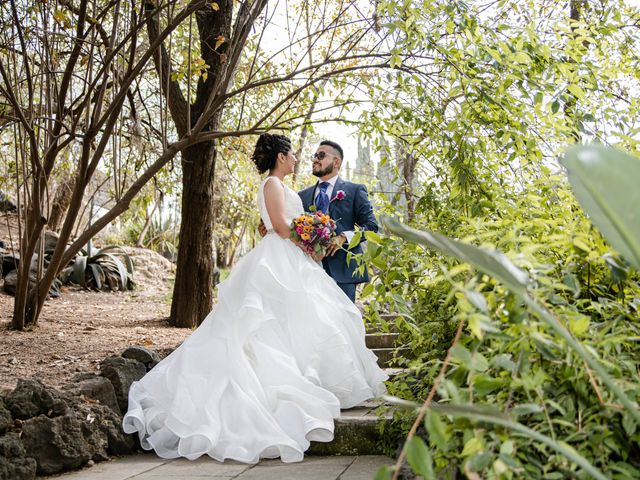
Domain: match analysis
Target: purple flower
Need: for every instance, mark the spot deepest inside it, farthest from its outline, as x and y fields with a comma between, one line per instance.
x=339, y=195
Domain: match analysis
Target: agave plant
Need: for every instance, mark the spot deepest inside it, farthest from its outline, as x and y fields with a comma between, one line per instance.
x=107, y=269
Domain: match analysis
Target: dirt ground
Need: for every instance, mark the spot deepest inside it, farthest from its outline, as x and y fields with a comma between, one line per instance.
x=80, y=328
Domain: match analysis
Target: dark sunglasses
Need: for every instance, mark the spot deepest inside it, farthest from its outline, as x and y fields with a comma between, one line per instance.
x=320, y=155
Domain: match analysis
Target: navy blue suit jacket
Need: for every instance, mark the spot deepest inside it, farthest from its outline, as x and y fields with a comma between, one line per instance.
x=354, y=209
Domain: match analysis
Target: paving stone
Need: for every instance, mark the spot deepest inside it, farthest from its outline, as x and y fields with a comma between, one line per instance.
x=326, y=468
x=117, y=469
x=203, y=467
x=365, y=467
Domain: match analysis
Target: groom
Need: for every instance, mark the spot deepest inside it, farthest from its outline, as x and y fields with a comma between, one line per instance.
x=348, y=204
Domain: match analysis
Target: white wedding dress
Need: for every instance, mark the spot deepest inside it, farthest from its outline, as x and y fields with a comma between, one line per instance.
x=269, y=368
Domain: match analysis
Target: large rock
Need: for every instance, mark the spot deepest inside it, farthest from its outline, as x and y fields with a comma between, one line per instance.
x=63, y=443
x=6, y=205
x=61, y=431
x=122, y=372
x=141, y=354
x=31, y=398
x=5, y=417
x=14, y=464
x=11, y=283
x=96, y=388
x=110, y=423
x=8, y=263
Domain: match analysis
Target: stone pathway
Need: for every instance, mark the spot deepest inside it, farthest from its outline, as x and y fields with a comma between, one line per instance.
x=150, y=467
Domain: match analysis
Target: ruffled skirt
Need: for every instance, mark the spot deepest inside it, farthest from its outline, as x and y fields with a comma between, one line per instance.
x=266, y=372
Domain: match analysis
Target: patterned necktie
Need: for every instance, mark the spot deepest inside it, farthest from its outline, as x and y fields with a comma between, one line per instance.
x=322, y=200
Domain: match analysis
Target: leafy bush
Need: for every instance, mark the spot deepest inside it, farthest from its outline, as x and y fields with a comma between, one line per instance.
x=553, y=354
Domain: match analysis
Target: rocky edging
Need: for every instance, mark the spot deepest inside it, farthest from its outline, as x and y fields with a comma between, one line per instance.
x=44, y=430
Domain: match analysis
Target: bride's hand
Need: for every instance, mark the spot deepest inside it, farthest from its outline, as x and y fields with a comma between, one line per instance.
x=317, y=257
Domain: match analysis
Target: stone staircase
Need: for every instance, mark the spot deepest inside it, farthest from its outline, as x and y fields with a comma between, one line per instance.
x=357, y=430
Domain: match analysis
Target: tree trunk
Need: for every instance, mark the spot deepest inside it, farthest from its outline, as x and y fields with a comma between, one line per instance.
x=409, y=163
x=61, y=203
x=193, y=288
x=147, y=223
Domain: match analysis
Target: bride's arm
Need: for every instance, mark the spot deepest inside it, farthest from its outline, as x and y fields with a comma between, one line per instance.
x=274, y=201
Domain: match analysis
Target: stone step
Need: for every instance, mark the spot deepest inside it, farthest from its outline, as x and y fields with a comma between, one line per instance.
x=393, y=371
x=356, y=432
x=381, y=340
x=387, y=324
x=386, y=354
x=379, y=328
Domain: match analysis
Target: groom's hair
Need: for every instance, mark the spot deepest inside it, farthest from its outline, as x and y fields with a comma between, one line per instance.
x=335, y=146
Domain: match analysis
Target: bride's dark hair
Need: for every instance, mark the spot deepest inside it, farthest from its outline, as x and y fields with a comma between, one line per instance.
x=267, y=149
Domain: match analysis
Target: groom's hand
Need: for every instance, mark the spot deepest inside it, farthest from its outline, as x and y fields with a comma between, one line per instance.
x=262, y=230
x=336, y=244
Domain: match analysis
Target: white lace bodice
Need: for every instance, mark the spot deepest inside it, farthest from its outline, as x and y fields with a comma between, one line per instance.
x=292, y=203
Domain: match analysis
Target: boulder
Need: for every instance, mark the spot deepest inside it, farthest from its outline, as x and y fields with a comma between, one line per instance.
x=95, y=388
x=9, y=263
x=61, y=431
x=110, y=424
x=122, y=372
x=141, y=354
x=31, y=398
x=11, y=283
x=5, y=418
x=14, y=462
x=63, y=443
x=6, y=205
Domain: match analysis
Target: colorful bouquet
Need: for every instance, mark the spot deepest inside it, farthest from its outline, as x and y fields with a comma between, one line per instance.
x=313, y=231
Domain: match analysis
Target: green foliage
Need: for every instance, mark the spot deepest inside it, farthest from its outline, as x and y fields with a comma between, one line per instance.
x=110, y=268
x=510, y=357
x=486, y=95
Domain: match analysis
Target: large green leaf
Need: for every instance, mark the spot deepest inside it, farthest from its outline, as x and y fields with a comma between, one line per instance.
x=491, y=262
x=114, y=264
x=606, y=183
x=419, y=457
x=78, y=273
x=98, y=274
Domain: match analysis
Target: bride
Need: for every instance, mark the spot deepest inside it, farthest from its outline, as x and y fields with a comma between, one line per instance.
x=270, y=368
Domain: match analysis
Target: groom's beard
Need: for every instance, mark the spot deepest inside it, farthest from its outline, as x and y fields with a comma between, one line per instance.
x=321, y=173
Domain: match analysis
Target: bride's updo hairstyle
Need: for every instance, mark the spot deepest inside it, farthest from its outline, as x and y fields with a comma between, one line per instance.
x=267, y=149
